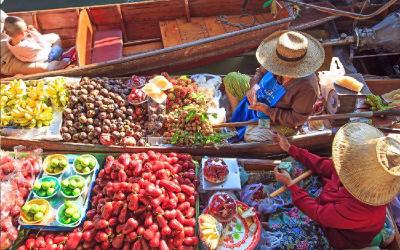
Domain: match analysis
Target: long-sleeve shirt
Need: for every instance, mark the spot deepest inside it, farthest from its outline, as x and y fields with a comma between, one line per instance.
x=347, y=222
x=297, y=104
x=32, y=49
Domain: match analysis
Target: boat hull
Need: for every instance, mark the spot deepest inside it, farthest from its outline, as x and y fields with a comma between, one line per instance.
x=318, y=140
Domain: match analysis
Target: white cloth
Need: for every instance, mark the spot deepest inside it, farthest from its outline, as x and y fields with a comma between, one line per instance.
x=32, y=49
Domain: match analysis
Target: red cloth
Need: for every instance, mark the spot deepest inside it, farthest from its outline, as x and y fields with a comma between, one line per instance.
x=347, y=222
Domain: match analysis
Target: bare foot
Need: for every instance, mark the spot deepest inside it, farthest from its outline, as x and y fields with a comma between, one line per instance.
x=56, y=65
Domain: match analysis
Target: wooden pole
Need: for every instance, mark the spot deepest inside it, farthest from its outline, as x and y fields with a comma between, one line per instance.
x=295, y=180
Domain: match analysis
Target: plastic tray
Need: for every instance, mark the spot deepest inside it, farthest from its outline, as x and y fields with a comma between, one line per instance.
x=232, y=181
x=50, y=223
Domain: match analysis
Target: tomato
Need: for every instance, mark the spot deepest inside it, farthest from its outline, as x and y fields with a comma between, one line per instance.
x=101, y=224
x=155, y=241
x=107, y=210
x=101, y=236
x=88, y=236
x=170, y=186
x=87, y=225
x=175, y=225
x=118, y=241
x=189, y=231
x=191, y=241
x=187, y=190
x=30, y=243
x=181, y=197
x=107, y=139
x=73, y=240
x=148, y=234
x=163, y=245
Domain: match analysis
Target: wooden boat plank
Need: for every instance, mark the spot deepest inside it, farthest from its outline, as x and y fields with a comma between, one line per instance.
x=214, y=27
x=105, y=15
x=135, y=49
x=193, y=30
x=142, y=19
x=56, y=20
x=222, y=7
x=170, y=33
x=84, y=39
x=380, y=86
x=259, y=150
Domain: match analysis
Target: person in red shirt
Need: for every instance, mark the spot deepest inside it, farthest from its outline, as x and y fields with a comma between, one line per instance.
x=362, y=178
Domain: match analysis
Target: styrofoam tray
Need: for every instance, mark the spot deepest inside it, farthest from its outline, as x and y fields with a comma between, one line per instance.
x=232, y=181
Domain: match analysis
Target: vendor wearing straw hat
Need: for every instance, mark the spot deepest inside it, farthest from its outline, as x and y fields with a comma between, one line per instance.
x=285, y=88
x=362, y=178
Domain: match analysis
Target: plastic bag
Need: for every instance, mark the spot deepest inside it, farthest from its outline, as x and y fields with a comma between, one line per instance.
x=258, y=134
x=250, y=196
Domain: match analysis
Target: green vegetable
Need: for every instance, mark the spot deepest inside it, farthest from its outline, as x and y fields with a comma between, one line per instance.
x=72, y=186
x=376, y=103
x=38, y=216
x=237, y=84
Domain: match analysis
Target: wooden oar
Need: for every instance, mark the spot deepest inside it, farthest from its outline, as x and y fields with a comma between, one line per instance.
x=295, y=180
x=367, y=114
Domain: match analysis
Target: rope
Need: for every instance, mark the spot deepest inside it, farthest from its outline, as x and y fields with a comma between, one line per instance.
x=223, y=19
x=345, y=13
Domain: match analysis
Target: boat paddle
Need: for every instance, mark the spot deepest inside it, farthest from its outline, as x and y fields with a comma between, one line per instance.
x=366, y=114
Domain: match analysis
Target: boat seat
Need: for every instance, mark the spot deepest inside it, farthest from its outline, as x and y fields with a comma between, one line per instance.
x=107, y=45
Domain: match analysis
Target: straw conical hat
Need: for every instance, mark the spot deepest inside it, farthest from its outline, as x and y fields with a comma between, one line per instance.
x=290, y=53
x=367, y=163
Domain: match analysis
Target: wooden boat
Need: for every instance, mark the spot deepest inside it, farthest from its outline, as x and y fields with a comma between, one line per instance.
x=162, y=35
x=319, y=140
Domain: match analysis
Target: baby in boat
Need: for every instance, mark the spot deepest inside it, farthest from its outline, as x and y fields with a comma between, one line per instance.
x=28, y=45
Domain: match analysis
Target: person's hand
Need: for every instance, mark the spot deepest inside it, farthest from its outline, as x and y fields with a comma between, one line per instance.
x=252, y=94
x=282, y=141
x=283, y=177
x=261, y=107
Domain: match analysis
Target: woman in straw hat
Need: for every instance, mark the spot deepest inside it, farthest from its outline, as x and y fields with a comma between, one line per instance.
x=362, y=178
x=285, y=88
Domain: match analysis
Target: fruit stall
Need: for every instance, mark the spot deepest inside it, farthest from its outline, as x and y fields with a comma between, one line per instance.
x=130, y=163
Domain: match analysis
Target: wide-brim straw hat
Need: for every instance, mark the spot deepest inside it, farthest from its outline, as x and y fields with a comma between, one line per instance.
x=367, y=163
x=290, y=53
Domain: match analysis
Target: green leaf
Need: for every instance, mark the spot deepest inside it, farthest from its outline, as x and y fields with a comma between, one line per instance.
x=236, y=236
x=190, y=116
x=238, y=227
x=267, y=4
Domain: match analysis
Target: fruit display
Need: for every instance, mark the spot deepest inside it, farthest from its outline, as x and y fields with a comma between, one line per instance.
x=52, y=240
x=137, y=81
x=84, y=164
x=215, y=170
x=222, y=207
x=73, y=186
x=35, y=210
x=137, y=96
x=16, y=179
x=46, y=187
x=137, y=203
x=55, y=164
x=30, y=104
x=156, y=112
x=68, y=213
x=99, y=113
x=237, y=84
x=210, y=231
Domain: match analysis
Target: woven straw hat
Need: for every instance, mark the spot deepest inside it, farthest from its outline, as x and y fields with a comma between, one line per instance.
x=290, y=53
x=367, y=163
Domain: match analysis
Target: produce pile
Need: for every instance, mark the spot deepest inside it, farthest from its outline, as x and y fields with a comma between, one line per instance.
x=17, y=176
x=237, y=84
x=188, y=121
x=31, y=104
x=143, y=200
x=99, y=113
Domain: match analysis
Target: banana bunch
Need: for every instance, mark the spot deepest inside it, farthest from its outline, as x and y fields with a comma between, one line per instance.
x=5, y=117
x=210, y=231
x=37, y=93
x=32, y=116
x=14, y=92
x=57, y=92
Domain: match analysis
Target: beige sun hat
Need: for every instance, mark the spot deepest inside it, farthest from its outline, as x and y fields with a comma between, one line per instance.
x=290, y=53
x=367, y=163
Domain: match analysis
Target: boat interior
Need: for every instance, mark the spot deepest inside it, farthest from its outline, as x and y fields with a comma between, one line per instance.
x=108, y=32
